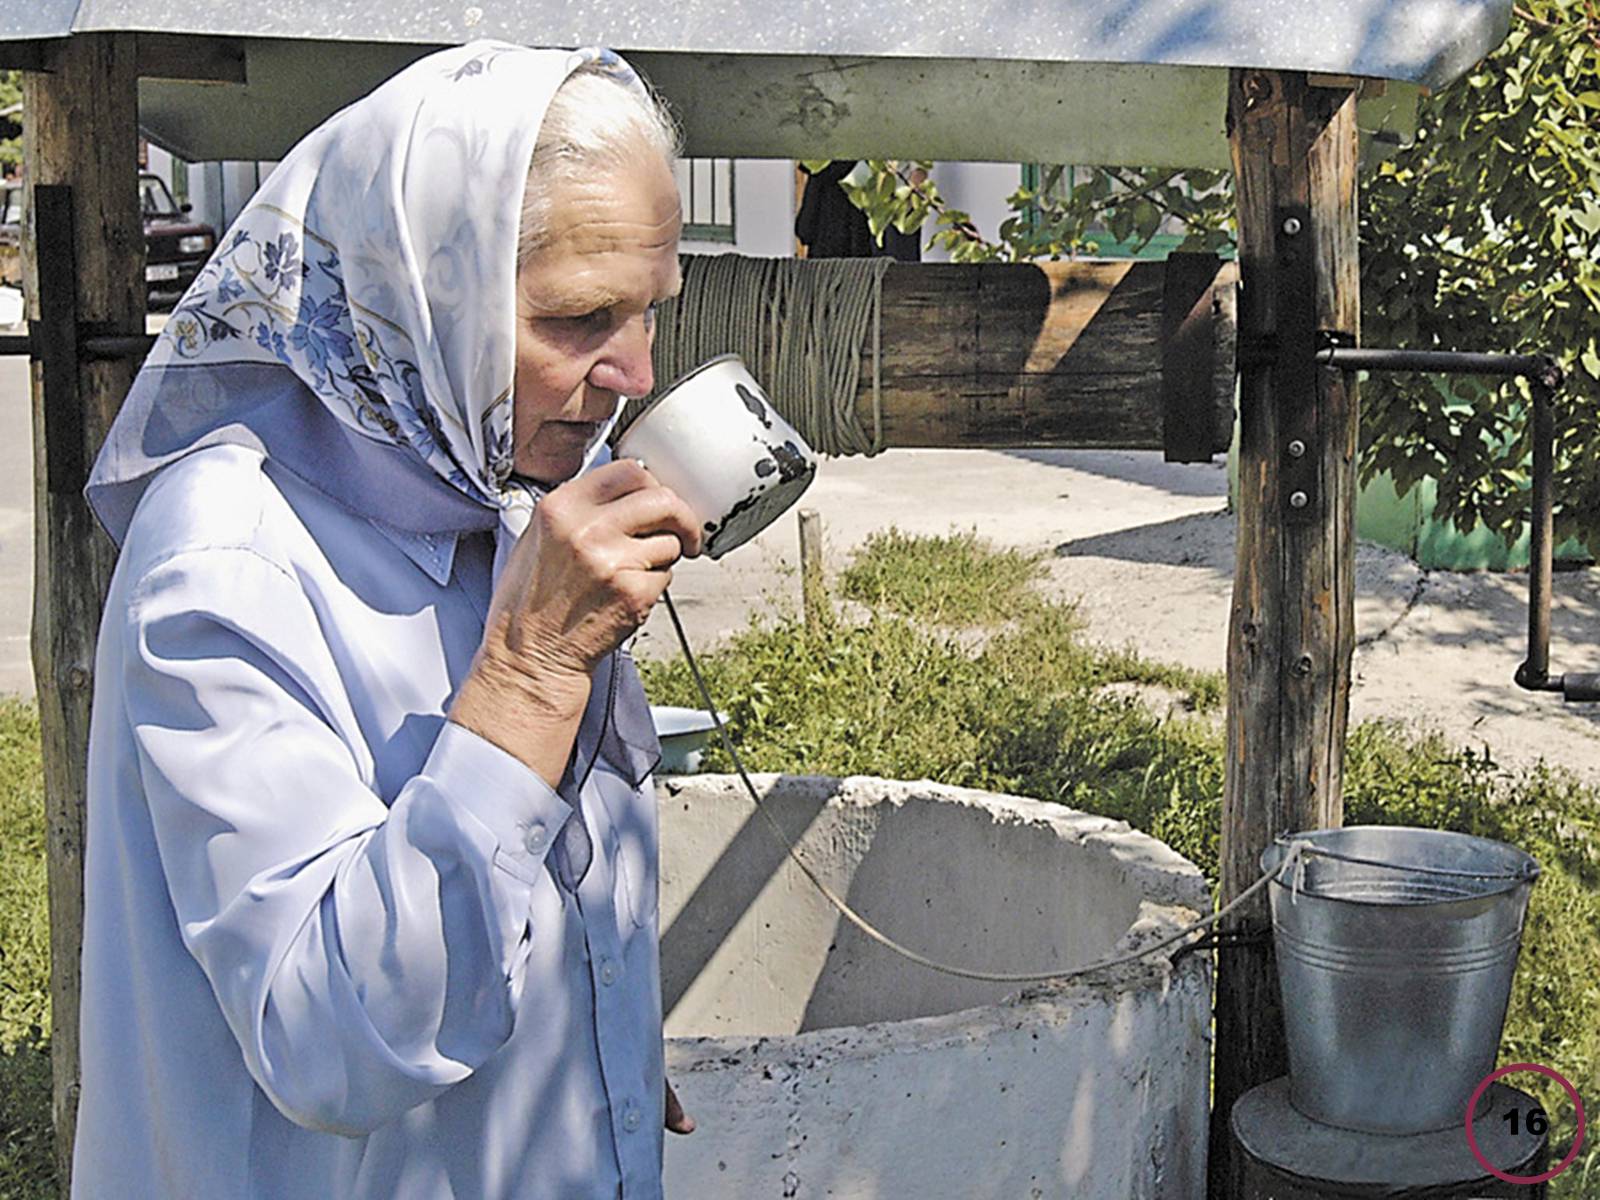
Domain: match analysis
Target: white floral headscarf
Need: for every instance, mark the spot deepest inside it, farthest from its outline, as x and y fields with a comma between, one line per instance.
x=376, y=269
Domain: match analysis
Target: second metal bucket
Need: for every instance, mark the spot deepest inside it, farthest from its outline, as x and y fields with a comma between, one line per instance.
x=1396, y=948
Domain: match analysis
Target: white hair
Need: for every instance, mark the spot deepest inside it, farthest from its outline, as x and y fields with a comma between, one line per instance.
x=596, y=124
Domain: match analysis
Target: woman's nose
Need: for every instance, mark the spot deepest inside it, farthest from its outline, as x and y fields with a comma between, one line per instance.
x=624, y=363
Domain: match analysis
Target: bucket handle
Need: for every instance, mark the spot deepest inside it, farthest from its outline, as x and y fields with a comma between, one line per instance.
x=1528, y=874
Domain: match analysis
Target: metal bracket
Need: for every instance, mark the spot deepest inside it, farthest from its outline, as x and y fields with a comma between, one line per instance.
x=55, y=341
x=1294, y=366
x=1225, y=939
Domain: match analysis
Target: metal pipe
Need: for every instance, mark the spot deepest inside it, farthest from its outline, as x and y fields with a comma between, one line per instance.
x=112, y=346
x=93, y=348
x=1544, y=376
x=1448, y=362
x=1534, y=673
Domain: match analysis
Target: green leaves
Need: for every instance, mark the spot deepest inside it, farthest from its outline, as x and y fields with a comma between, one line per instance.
x=10, y=94
x=1485, y=234
x=1067, y=213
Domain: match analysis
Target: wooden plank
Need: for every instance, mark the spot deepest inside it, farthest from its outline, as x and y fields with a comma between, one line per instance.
x=1188, y=351
x=190, y=57
x=82, y=130
x=30, y=54
x=1047, y=354
x=1291, y=627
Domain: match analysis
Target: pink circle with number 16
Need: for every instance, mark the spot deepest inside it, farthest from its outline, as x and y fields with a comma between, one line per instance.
x=1472, y=1140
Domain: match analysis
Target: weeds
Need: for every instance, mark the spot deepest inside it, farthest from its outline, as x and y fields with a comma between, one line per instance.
x=953, y=580
x=27, y=1166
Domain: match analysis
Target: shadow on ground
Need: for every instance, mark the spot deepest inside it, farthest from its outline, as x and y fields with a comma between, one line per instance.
x=1195, y=540
x=1137, y=467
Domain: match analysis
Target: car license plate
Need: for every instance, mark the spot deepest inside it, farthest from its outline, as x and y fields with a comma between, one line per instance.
x=160, y=272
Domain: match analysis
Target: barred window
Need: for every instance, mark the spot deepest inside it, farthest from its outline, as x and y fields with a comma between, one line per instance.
x=706, y=186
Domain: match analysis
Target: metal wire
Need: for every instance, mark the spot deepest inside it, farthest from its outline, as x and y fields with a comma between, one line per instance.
x=1311, y=850
x=883, y=939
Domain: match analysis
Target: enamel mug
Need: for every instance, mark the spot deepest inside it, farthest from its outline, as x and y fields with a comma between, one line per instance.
x=714, y=438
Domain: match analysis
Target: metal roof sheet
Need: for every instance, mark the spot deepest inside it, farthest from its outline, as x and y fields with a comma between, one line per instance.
x=1133, y=81
x=1420, y=41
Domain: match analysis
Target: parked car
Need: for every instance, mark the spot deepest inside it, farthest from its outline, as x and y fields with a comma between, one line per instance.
x=175, y=247
x=11, y=235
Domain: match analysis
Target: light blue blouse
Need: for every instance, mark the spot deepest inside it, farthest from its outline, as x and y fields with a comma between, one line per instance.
x=334, y=945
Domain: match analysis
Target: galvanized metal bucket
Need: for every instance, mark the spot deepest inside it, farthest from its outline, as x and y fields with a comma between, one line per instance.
x=1396, y=948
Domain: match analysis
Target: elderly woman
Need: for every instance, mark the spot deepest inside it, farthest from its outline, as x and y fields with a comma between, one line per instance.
x=371, y=865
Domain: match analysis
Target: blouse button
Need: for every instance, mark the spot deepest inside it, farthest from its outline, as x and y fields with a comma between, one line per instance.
x=534, y=839
x=608, y=972
x=631, y=1119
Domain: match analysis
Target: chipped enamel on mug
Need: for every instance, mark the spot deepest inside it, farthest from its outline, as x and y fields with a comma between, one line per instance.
x=714, y=438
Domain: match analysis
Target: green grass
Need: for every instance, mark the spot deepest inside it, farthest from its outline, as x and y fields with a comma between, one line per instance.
x=957, y=579
x=27, y=1168
x=901, y=693
x=27, y=1149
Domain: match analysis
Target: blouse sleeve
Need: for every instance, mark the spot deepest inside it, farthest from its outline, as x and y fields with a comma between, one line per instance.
x=366, y=956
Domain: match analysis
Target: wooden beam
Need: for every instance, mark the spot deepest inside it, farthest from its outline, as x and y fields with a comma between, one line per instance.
x=813, y=593
x=82, y=131
x=195, y=58
x=1291, y=630
x=191, y=57
x=30, y=54
x=1191, y=308
x=1047, y=354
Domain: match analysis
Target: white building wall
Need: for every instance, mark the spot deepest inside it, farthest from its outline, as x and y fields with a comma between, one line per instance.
x=220, y=190
x=764, y=199
x=978, y=189
x=159, y=162
x=763, y=211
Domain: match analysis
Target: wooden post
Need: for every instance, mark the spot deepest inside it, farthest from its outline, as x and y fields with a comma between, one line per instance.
x=1291, y=630
x=81, y=129
x=813, y=587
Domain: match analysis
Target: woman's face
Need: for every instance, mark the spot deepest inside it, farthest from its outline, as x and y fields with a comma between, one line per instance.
x=586, y=312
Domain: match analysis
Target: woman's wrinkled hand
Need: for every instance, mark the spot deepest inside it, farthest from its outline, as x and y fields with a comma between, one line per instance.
x=593, y=562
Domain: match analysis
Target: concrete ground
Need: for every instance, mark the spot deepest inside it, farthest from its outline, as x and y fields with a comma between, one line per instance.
x=1146, y=548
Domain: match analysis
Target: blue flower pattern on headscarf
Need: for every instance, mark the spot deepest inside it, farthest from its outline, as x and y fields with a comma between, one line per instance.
x=316, y=334
x=278, y=258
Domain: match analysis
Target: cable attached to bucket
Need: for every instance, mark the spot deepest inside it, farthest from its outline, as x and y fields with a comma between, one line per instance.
x=1290, y=861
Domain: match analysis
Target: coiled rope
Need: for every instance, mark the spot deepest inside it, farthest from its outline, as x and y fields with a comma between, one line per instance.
x=1291, y=866
x=798, y=324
